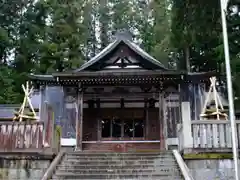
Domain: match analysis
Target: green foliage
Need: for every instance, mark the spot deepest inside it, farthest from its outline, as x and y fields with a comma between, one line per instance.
x=8, y=94
x=196, y=28
x=64, y=35
x=161, y=46
x=234, y=46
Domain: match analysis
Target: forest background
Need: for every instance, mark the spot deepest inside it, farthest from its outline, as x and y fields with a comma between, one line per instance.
x=43, y=36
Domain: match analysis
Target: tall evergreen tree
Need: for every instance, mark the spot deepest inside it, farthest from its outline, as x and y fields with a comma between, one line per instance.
x=64, y=35
x=233, y=20
x=104, y=21
x=195, y=33
x=90, y=23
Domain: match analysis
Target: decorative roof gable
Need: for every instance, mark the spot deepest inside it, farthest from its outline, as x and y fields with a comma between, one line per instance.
x=122, y=54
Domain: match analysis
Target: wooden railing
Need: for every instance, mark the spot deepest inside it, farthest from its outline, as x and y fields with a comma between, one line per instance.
x=15, y=136
x=207, y=134
x=211, y=134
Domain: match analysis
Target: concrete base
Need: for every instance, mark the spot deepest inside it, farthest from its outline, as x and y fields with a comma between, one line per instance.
x=211, y=169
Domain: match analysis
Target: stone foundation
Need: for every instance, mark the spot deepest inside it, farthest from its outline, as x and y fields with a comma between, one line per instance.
x=22, y=169
x=217, y=169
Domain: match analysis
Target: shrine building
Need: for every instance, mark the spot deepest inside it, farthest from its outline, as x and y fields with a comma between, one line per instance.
x=123, y=99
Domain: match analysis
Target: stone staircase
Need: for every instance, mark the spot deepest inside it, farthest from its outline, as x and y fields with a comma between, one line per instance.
x=82, y=165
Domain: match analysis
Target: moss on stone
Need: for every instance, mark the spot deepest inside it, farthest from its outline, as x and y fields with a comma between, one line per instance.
x=208, y=156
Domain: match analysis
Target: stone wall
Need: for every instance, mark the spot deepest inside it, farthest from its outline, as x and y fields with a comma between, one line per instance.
x=22, y=169
x=222, y=169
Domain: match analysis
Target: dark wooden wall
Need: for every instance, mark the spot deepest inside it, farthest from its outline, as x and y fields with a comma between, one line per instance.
x=92, y=131
x=153, y=124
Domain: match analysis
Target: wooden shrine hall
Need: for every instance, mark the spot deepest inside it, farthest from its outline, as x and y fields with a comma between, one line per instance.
x=125, y=99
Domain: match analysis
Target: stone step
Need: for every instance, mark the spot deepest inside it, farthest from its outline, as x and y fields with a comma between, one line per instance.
x=132, y=154
x=118, y=154
x=128, y=166
x=117, y=166
x=139, y=178
x=119, y=171
x=111, y=164
x=112, y=176
x=119, y=159
x=120, y=165
x=22, y=178
x=125, y=162
x=116, y=157
x=140, y=167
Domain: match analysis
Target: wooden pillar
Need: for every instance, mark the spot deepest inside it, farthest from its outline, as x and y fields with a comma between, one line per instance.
x=160, y=117
x=43, y=110
x=146, y=118
x=79, y=119
x=99, y=129
x=162, y=121
x=99, y=120
x=41, y=105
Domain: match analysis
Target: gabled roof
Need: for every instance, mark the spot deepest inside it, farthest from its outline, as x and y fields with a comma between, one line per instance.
x=121, y=58
x=128, y=43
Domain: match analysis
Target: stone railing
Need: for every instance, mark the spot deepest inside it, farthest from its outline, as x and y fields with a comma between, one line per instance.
x=207, y=134
x=180, y=136
x=182, y=166
x=15, y=136
x=51, y=169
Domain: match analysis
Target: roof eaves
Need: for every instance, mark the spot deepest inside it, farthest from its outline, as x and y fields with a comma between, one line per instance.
x=41, y=77
x=122, y=73
x=3, y=106
x=211, y=73
x=144, y=54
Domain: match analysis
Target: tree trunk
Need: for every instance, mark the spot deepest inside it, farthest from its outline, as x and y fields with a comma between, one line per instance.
x=187, y=58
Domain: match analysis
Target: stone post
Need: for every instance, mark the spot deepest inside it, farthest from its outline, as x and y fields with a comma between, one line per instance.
x=186, y=126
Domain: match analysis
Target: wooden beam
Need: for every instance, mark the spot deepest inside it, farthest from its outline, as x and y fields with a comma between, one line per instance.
x=120, y=95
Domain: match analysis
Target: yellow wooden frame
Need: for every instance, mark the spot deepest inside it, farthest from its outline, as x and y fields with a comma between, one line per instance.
x=219, y=113
x=26, y=101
